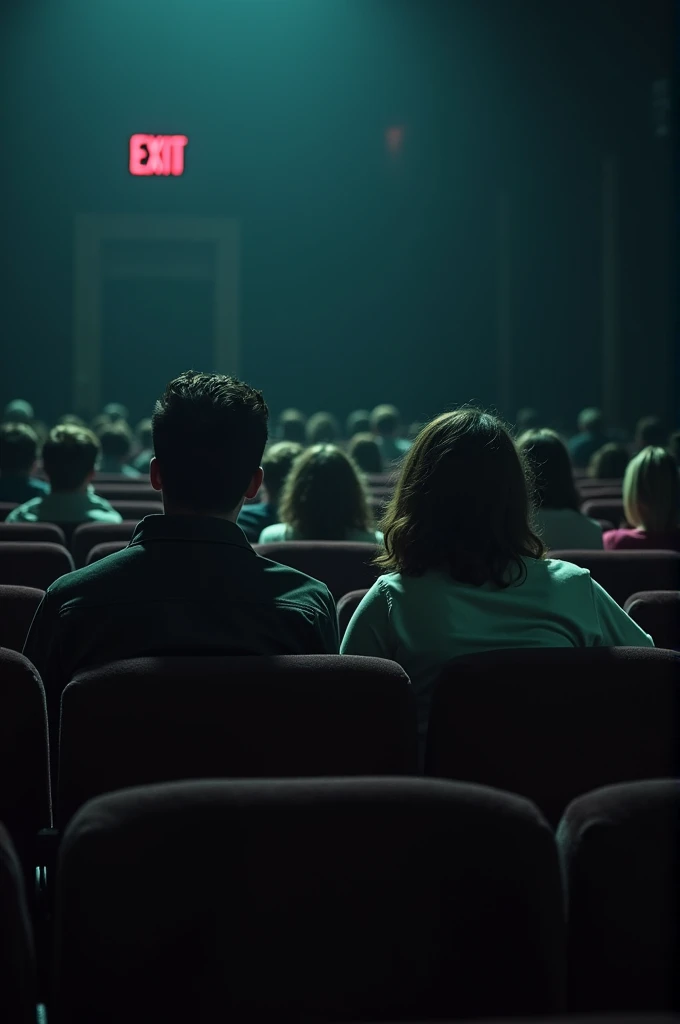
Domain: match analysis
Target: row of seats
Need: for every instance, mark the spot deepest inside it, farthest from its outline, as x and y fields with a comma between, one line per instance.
x=343, y=565
x=546, y=724
x=351, y=900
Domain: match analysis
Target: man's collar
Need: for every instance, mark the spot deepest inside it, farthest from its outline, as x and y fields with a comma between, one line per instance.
x=206, y=529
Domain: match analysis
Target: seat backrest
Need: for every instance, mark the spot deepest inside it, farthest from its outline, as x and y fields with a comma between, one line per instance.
x=89, y=535
x=103, y=550
x=18, y=605
x=553, y=723
x=620, y=853
x=342, y=565
x=157, y=719
x=347, y=605
x=5, y=509
x=18, y=992
x=604, y=508
x=25, y=805
x=136, y=510
x=623, y=573
x=33, y=564
x=658, y=613
x=307, y=900
x=49, y=532
x=130, y=491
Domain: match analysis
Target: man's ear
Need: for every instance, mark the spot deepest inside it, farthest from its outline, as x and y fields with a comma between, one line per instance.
x=155, y=475
x=255, y=483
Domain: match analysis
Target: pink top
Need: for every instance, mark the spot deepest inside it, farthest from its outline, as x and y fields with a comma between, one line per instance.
x=632, y=540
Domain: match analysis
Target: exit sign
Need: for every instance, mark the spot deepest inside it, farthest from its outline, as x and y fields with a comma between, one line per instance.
x=157, y=154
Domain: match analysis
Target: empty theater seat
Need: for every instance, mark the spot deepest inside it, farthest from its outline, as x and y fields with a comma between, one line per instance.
x=27, y=564
x=49, y=532
x=621, y=859
x=658, y=613
x=307, y=900
x=623, y=573
x=89, y=535
x=18, y=605
x=347, y=605
x=157, y=719
x=18, y=991
x=342, y=565
x=554, y=723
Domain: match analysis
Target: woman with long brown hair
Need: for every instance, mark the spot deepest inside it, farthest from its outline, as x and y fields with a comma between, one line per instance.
x=464, y=569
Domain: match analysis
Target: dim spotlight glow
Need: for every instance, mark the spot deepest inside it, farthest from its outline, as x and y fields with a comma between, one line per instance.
x=157, y=154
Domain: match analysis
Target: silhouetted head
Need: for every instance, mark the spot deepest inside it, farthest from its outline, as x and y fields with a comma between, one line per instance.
x=277, y=463
x=650, y=431
x=322, y=428
x=292, y=426
x=609, y=462
x=358, y=422
x=462, y=504
x=70, y=457
x=18, y=411
x=651, y=491
x=365, y=451
x=385, y=420
x=209, y=433
x=324, y=497
x=550, y=461
x=116, y=441
x=116, y=412
x=18, y=449
x=591, y=421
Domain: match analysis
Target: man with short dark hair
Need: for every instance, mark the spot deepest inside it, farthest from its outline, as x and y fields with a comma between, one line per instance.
x=116, y=442
x=18, y=456
x=189, y=582
x=70, y=456
x=276, y=464
x=385, y=427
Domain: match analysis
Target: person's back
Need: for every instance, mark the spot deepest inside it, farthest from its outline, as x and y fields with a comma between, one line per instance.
x=189, y=583
x=385, y=427
x=591, y=436
x=651, y=500
x=323, y=499
x=18, y=456
x=70, y=456
x=559, y=521
x=464, y=570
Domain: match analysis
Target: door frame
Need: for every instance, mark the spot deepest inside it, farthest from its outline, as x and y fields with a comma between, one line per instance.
x=91, y=231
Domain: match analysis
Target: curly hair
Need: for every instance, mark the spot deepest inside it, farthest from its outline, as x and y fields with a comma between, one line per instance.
x=462, y=504
x=324, y=495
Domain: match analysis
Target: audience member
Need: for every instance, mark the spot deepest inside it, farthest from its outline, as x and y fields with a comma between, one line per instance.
x=649, y=431
x=70, y=456
x=69, y=419
x=560, y=522
x=145, y=441
x=293, y=426
x=651, y=501
x=116, y=412
x=189, y=582
x=365, y=451
x=276, y=463
x=358, y=422
x=674, y=446
x=116, y=442
x=323, y=499
x=99, y=423
x=465, y=571
x=18, y=411
x=18, y=456
x=385, y=426
x=609, y=462
x=322, y=428
x=591, y=436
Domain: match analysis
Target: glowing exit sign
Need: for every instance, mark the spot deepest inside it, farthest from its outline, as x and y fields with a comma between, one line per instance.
x=157, y=154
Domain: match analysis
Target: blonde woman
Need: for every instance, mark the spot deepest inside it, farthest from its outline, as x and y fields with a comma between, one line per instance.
x=651, y=499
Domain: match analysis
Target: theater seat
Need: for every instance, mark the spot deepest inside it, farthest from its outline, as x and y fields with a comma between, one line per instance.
x=49, y=532
x=554, y=723
x=25, y=804
x=27, y=564
x=134, y=490
x=658, y=613
x=18, y=605
x=17, y=963
x=136, y=510
x=623, y=573
x=347, y=605
x=621, y=861
x=342, y=565
x=320, y=900
x=103, y=550
x=605, y=508
x=89, y=535
x=157, y=719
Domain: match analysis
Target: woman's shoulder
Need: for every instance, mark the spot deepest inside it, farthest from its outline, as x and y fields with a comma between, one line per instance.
x=556, y=570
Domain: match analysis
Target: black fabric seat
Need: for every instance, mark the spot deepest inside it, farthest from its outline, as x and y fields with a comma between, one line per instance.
x=658, y=613
x=33, y=564
x=18, y=605
x=621, y=862
x=89, y=535
x=342, y=565
x=17, y=958
x=307, y=900
x=159, y=719
x=554, y=723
